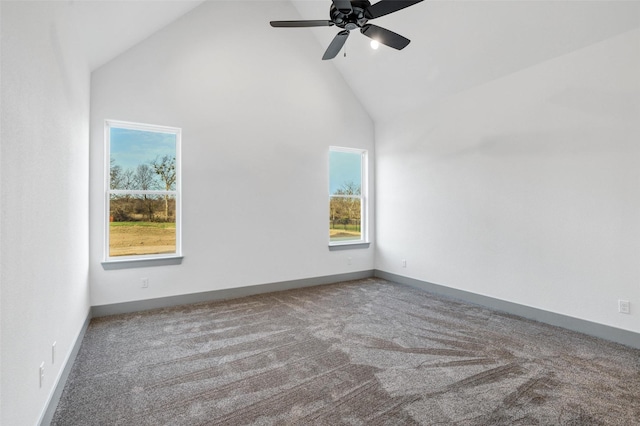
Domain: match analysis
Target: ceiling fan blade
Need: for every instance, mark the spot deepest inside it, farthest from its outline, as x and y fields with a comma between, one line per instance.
x=385, y=7
x=384, y=36
x=336, y=44
x=343, y=6
x=300, y=24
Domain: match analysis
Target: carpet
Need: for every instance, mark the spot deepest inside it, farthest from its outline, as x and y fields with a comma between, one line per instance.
x=367, y=352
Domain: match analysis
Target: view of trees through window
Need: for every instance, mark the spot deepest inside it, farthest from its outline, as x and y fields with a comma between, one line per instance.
x=345, y=195
x=142, y=192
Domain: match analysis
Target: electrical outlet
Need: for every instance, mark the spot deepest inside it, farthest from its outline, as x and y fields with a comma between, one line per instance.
x=404, y=263
x=349, y=261
x=624, y=306
x=41, y=373
x=53, y=353
x=145, y=282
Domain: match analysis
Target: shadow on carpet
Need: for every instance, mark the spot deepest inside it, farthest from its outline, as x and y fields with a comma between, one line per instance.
x=367, y=352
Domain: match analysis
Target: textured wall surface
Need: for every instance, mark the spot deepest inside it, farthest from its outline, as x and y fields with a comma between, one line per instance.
x=525, y=189
x=44, y=222
x=258, y=110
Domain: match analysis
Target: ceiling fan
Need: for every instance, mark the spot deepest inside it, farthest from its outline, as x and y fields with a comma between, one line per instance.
x=354, y=14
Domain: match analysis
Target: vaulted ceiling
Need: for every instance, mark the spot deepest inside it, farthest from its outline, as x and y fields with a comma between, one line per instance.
x=455, y=45
x=108, y=28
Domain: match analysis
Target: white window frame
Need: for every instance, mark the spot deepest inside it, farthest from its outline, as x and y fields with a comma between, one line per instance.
x=149, y=259
x=364, y=198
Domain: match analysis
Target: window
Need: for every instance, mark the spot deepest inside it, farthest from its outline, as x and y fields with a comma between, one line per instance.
x=347, y=196
x=142, y=191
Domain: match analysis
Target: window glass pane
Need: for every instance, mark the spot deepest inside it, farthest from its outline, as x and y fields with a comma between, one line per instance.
x=142, y=160
x=142, y=224
x=344, y=219
x=345, y=173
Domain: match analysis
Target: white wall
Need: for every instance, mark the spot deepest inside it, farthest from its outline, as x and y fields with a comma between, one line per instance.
x=526, y=189
x=44, y=218
x=259, y=110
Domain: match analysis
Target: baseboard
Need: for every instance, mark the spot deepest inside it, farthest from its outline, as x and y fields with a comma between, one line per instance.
x=605, y=332
x=613, y=334
x=58, y=387
x=214, y=295
x=163, y=302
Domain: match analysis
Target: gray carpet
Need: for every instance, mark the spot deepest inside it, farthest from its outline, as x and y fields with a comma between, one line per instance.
x=368, y=352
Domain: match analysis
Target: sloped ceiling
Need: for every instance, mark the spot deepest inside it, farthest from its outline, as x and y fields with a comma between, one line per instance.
x=455, y=44
x=106, y=28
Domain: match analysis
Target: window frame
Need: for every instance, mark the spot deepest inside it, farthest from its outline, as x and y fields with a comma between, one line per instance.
x=118, y=262
x=363, y=197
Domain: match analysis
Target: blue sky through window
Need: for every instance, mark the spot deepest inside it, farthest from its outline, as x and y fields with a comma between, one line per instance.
x=344, y=167
x=129, y=148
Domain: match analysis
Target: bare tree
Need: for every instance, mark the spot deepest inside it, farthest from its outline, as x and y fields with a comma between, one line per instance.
x=115, y=172
x=165, y=167
x=144, y=179
x=128, y=179
x=120, y=178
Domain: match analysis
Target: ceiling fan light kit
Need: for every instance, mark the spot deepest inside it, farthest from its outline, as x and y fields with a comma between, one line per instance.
x=354, y=14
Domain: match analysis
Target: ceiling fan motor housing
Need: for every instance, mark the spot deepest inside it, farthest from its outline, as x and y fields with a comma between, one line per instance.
x=353, y=20
x=351, y=15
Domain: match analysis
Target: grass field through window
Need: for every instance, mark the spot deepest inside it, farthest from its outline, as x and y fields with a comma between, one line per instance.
x=344, y=233
x=141, y=238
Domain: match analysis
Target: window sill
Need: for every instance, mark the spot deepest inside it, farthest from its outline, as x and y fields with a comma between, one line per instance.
x=109, y=265
x=348, y=246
